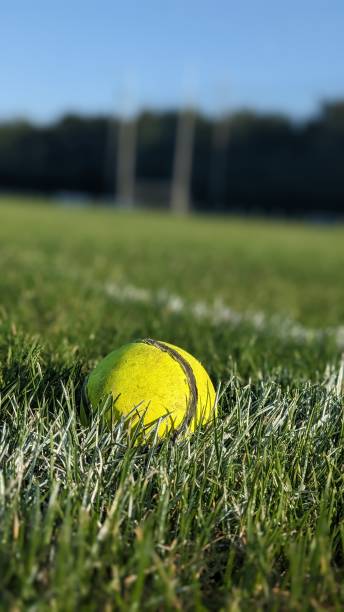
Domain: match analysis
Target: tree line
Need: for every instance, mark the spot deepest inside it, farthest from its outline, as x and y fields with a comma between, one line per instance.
x=263, y=163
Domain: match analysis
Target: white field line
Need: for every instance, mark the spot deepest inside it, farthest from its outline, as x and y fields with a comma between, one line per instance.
x=216, y=312
x=220, y=313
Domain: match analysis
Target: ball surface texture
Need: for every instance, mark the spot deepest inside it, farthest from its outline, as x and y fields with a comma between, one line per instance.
x=155, y=384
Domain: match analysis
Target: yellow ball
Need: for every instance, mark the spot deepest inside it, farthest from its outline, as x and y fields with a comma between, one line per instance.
x=155, y=384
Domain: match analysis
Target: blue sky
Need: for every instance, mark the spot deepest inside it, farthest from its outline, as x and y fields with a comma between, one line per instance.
x=59, y=56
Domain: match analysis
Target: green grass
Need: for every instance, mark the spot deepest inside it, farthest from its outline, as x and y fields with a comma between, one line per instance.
x=248, y=513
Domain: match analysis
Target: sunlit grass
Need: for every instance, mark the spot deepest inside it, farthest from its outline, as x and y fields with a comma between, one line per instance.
x=246, y=513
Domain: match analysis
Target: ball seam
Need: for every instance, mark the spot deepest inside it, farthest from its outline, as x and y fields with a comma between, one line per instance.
x=190, y=378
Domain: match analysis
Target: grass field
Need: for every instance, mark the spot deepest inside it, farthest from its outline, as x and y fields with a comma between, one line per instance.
x=246, y=514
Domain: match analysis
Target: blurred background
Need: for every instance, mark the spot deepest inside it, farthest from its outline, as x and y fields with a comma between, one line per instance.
x=211, y=106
